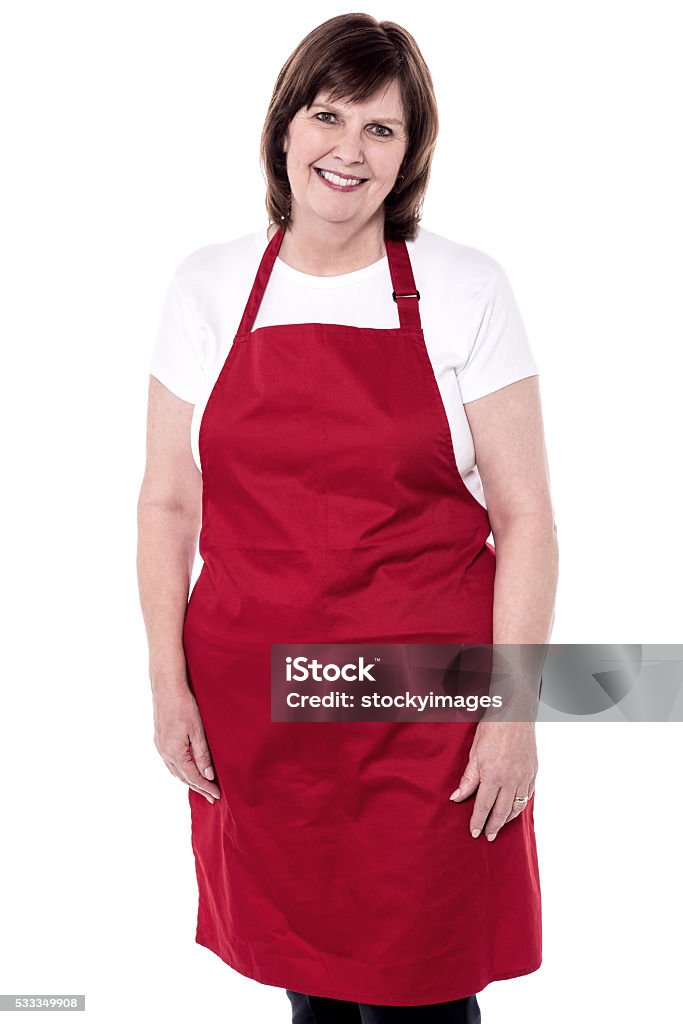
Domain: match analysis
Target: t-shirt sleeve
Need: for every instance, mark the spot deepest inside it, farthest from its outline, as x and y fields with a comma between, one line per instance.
x=177, y=358
x=499, y=349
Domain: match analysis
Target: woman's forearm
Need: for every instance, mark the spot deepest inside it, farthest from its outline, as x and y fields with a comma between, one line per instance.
x=527, y=569
x=167, y=541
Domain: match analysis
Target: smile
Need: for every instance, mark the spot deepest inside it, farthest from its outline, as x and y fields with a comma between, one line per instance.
x=337, y=182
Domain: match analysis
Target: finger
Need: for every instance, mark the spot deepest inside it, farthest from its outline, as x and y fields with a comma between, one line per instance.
x=527, y=791
x=469, y=780
x=201, y=754
x=518, y=805
x=178, y=774
x=486, y=797
x=501, y=811
x=190, y=773
x=174, y=771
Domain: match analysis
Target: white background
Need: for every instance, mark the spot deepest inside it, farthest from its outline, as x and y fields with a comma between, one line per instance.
x=131, y=136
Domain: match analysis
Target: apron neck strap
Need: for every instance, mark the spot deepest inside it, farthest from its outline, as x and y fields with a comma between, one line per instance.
x=405, y=294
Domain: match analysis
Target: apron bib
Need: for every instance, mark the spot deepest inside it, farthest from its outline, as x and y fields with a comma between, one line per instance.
x=333, y=511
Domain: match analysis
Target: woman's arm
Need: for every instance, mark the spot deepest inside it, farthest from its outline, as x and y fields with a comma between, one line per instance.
x=169, y=518
x=507, y=429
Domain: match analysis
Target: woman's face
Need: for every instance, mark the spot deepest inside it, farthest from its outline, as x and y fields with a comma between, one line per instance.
x=361, y=140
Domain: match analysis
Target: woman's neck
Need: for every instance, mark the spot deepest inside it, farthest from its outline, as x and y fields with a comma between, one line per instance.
x=320, y=254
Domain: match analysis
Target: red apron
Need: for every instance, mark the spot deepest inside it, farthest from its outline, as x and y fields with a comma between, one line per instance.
x=334, y=863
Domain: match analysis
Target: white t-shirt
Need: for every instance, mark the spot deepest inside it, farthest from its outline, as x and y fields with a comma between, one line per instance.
x=474, y=333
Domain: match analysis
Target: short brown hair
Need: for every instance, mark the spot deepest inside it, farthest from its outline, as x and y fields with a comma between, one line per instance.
x=352, y=56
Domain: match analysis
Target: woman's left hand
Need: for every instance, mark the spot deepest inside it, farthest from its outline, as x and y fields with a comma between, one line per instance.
x=503, y=764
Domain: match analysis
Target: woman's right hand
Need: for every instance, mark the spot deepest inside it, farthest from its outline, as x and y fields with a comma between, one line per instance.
x=179, y=738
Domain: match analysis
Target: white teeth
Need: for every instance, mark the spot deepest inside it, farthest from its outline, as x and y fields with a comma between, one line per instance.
x=336, y=180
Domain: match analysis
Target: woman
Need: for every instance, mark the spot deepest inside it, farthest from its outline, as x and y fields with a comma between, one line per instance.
x=341, y=503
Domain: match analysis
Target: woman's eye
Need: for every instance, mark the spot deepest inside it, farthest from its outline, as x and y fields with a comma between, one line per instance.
x=326, y=113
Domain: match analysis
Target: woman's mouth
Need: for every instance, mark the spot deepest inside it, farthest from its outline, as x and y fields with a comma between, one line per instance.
x=338, y=182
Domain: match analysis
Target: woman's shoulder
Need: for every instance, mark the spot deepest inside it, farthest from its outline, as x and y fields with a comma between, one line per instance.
x=199, y=268
x=460, y=265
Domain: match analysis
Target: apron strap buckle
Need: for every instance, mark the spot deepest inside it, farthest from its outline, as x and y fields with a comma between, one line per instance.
x=405, y=295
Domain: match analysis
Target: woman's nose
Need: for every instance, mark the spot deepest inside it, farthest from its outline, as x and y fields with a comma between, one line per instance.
x=349, y=148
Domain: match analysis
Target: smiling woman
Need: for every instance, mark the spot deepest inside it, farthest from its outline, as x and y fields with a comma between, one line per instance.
x=336, y=150
x=325, y=372
x=358, y=107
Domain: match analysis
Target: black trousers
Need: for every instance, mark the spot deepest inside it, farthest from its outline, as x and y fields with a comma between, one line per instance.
x=318, y=1010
